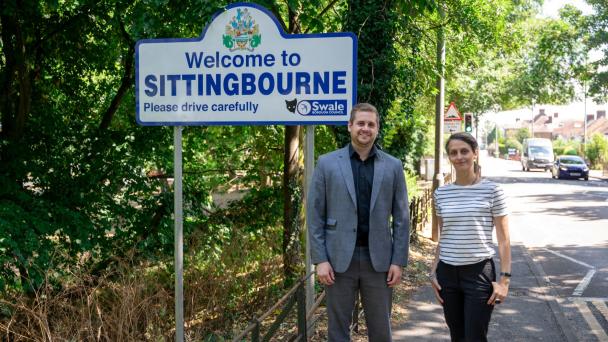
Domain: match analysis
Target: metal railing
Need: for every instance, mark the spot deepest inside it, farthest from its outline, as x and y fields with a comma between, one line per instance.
x=294, y=298
x=420, y=207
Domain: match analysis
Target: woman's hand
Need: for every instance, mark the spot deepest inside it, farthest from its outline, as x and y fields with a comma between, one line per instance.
x=499, y=294
x=436, y=287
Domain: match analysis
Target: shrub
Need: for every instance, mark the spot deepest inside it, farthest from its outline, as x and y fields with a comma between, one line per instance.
x=597, y=150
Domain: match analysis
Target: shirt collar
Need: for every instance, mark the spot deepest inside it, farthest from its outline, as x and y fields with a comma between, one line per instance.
x=352, y=153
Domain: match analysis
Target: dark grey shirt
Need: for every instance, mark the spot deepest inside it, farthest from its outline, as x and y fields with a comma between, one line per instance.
x=363, y=175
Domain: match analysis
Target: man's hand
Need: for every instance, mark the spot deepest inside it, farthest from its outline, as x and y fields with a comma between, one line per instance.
x=325, y=273
x=394, y=275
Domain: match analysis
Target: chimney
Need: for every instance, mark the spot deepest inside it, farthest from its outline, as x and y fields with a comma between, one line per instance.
x=601, y=114
x=590, y=117
x=541, y=111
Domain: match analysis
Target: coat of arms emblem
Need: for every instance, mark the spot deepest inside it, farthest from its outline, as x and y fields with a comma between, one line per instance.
x=242, y=33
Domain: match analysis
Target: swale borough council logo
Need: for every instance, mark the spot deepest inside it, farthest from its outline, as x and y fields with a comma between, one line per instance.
x=242, y=33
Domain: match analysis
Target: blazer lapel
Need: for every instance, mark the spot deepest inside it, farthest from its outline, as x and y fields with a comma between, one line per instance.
x=347, y=173
x=378, y=175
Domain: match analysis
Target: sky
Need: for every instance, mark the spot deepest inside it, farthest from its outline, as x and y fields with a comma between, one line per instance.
x=551, y=7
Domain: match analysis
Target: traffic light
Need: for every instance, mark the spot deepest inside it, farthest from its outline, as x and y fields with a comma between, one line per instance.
x=468, y=122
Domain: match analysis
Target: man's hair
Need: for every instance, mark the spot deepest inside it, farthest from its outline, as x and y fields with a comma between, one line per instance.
x=363, y=107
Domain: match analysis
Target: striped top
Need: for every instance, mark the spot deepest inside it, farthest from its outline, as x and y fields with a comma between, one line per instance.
x=467, y=213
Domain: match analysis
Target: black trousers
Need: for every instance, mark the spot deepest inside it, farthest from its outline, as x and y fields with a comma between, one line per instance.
x=465, y=291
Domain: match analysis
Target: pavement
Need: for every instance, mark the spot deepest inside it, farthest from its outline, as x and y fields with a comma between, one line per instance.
x=599, y=174
x=529, y=313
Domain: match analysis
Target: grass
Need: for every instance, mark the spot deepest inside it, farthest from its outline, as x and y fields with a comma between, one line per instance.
x=136, y=303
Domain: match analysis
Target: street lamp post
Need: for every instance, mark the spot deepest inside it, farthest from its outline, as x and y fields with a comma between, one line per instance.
x=496, y=109
x=585, y=119
x=532, y=130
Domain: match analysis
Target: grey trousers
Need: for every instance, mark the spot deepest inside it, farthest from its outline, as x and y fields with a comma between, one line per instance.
x=376, y=297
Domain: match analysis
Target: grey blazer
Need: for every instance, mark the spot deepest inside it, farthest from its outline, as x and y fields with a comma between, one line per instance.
x=332, y=212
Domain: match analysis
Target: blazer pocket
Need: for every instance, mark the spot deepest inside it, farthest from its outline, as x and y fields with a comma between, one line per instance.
x=331, y=223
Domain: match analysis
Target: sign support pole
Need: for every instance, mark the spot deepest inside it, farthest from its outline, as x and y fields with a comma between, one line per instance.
x=179, y=238
x=309, y=164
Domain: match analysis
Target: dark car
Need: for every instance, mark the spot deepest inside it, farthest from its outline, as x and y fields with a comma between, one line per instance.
x=570, y=167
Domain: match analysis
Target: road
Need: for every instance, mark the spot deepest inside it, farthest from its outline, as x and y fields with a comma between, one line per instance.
x=564, y=226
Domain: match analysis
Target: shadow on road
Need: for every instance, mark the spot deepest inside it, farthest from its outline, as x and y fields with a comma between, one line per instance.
x=548, y=180
x=581, y=212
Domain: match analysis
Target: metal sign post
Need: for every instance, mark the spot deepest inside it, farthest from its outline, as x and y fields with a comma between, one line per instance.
x=309, y=164
x=179, y=237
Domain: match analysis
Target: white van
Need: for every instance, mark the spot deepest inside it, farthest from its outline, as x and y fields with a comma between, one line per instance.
x=537, y=154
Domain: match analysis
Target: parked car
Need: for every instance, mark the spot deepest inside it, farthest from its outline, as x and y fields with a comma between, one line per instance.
x=570, y=167
x=537, y=154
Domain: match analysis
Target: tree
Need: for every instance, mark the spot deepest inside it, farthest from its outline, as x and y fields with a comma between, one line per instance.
x=522, y=134
x=596, y=27
x=546, y=67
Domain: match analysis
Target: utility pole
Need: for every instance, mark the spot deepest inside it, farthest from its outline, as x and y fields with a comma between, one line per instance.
x=439, y=99
x=585, y=120
x=496, y=151
x=532, y=130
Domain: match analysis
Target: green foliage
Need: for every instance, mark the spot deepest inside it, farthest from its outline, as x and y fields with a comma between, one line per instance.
x=492, y=135
x=411, y=181
x=597, y=150
x=522, y=134
x=570, y=147
x=595, y=27
x=513, y=143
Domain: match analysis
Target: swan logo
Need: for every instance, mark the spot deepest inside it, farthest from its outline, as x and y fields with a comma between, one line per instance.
x=321, y=107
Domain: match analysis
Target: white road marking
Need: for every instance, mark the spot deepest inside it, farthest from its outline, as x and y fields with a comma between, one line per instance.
x=587, y=299
x=584, y=283
x=602, y=307
x=595, y=326
x=569, y=258
x=578, y=291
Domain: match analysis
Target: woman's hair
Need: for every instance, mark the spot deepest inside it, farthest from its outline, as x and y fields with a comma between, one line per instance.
x=469, y=140
x=465, y=137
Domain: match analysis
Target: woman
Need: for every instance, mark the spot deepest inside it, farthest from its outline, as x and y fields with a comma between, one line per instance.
x=463, y=273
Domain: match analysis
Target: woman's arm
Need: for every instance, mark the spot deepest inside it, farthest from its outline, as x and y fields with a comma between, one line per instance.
x=433, y=273
x=501, y=288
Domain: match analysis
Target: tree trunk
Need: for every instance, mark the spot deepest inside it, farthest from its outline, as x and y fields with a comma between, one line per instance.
x=291, y=187
x=292, y=199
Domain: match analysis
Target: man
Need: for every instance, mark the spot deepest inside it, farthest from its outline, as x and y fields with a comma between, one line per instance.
x=354, y=193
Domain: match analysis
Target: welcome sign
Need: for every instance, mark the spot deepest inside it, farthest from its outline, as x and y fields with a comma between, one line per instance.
x=244, y=69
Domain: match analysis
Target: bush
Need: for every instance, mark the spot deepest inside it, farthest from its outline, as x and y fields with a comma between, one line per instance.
x=564, y=147
x=597, y=150
x=513, y=143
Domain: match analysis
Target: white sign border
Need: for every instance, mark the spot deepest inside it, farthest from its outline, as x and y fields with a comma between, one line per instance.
x=241, y=123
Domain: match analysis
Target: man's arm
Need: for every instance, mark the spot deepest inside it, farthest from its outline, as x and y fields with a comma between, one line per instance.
x=316, y=215
x=401, y=219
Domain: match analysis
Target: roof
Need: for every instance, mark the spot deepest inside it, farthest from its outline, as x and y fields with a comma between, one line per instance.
x=598, y=126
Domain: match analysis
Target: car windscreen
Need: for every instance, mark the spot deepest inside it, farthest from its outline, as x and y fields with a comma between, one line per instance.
x=540, y=150
x=574, y=161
